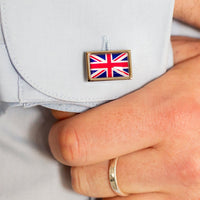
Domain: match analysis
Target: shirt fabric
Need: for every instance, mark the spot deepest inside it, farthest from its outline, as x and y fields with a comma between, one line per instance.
x=42, y=55
x=28, y=170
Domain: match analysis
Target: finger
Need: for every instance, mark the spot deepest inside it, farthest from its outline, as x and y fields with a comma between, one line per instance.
x=148, y=196
x=188, y=11
x=137, y=121
x=97, y=129
x=108, y=131
x=185, y=48
x=139, y=172
x=62, y=115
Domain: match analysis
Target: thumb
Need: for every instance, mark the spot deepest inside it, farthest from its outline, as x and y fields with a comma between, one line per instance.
x=60, y=115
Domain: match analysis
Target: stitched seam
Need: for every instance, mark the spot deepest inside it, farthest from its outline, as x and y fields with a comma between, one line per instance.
x=10, y=48
x=19, y=88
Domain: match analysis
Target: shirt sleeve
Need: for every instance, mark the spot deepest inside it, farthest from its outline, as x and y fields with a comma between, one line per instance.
x=42, y=56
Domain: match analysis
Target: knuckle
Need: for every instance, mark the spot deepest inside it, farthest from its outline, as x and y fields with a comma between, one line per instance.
x=179, y=114
x=75, y=180
x=189, y=172
x=187, y=116
x=70, y=146
x=53, y=140
x=79, y=181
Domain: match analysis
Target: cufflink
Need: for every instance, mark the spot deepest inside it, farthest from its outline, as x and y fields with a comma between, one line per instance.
x=109, y=65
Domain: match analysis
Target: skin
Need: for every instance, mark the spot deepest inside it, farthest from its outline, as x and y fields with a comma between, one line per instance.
x=155, y=132
x=187, y=11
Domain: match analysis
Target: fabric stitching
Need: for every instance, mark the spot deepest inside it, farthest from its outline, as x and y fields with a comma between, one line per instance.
x=27, y=77
x=16, y=64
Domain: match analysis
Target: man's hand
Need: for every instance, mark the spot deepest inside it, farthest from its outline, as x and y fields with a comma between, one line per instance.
x=155, y=131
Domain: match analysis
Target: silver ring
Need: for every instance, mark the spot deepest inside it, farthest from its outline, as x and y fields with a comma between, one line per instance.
x=113, y=178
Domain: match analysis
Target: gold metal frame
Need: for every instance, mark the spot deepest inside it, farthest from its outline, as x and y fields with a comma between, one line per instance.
x=105, y=52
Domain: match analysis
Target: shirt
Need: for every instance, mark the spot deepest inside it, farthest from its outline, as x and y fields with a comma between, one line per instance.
x=42, y=55
x=28, y=170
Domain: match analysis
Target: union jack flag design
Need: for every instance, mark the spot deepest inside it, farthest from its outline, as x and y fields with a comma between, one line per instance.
x=109, y=65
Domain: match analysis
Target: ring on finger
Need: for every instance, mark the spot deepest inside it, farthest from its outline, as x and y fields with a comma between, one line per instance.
x=113, y=178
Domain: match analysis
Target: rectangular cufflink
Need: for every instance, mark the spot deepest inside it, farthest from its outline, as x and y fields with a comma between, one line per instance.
x=109, y=65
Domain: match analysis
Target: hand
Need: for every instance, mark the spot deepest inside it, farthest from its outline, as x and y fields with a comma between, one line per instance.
x=155, y=131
